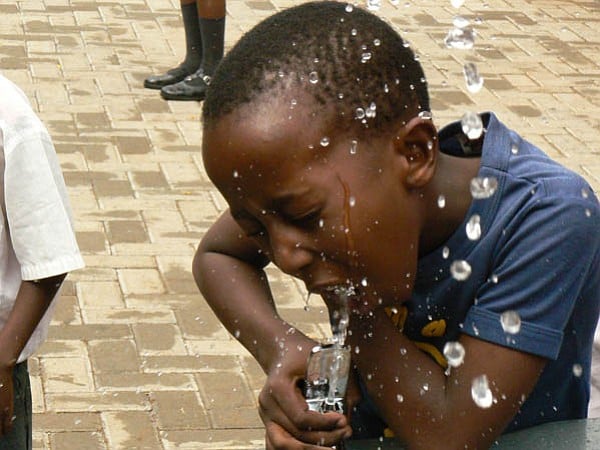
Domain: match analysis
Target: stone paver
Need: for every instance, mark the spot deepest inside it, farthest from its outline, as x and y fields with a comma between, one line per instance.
x=135, y=359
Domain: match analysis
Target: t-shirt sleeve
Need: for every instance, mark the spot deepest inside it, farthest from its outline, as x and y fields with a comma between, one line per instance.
x=37, y=209
x=539, y=272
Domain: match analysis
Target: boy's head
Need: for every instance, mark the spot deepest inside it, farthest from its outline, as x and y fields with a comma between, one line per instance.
x=350, y=62
x=313, y=135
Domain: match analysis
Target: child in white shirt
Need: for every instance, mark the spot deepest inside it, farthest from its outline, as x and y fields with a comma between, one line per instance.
x=37, y=250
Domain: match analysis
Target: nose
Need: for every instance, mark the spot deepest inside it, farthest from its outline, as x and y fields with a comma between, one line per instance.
x=287, y=249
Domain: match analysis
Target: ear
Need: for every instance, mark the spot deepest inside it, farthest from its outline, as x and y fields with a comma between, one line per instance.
x=417, y=143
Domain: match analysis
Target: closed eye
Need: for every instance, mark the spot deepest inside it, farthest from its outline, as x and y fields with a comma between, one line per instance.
x=308, y=220
x=251, y=228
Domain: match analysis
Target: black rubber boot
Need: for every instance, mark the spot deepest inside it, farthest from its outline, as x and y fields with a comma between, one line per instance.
x=193, y=53
x=194, y=87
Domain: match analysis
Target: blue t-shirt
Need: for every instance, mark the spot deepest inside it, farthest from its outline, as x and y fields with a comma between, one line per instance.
x=538, y=255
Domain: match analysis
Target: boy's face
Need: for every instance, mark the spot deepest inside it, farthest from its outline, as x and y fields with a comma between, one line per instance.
x=322, y=208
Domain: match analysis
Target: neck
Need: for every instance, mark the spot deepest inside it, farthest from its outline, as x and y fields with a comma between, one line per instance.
x=451, y=180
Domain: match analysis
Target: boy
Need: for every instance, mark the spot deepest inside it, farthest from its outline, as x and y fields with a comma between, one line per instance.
x=317, y=133
x=37, y=250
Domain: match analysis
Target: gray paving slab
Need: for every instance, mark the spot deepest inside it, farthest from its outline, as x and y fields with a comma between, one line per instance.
x=134, y=358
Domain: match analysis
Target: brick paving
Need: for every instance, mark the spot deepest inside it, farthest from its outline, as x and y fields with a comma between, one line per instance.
x=135, y=359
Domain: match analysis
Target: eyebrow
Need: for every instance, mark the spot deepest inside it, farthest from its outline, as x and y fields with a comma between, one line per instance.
x=278, y=203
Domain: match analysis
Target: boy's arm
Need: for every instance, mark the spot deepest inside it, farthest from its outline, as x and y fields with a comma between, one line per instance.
x=31, y=303
x=228, y=268
x=428, y=409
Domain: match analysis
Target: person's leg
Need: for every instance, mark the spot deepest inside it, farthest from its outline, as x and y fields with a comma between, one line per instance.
x=193, y=49
x=212, y=29
x=20, y=437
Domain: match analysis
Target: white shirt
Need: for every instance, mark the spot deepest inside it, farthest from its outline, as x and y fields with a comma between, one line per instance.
x=37, y=239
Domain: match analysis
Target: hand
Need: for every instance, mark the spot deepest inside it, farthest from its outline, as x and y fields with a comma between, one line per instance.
x=282, y=407
x=6, y=399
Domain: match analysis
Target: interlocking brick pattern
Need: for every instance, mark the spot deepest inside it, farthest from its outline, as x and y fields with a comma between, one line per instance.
x=135, y=359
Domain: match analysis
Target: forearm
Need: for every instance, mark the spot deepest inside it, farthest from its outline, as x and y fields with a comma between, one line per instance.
x=407, y=385
x=422, y=405
x=239, y=294
x=31, y=303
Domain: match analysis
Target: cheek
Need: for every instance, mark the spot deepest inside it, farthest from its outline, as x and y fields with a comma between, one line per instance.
x=387, y=251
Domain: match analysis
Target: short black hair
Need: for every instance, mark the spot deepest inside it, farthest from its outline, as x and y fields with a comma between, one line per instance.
x=345, y=57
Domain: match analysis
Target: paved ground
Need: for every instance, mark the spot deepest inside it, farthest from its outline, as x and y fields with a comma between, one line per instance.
x=135, y=360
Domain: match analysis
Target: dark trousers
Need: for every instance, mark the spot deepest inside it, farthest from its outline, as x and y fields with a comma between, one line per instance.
x=19, y=437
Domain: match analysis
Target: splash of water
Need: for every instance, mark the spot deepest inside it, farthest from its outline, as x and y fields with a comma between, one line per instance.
x=460, y=270
x=483, y=187
x=460, y=38
x=511, y=322
x=472, y=78
x=471, y=125
x=454, y=353
x=373, y=5
x=473, y=227
x=481, y=393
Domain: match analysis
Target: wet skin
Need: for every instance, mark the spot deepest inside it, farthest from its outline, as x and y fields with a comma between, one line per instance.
x=282, y=185
x=318, y=212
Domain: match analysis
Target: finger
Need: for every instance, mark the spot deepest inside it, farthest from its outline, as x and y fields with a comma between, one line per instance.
x=302, y=423
x=306, y=436
x=296, y=410
x=278, y=438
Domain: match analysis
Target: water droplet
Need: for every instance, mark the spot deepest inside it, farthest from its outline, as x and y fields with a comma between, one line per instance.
x=514, y=148
x=306, y=307
x=373, y=5
x=460, y=38
x=473, y=227
x=457, y=3
x=365, y=57
x=460, y=22
x=403, y=351
x=588, y=212
x=349, y=8
x=357, y=350
x=460, y=270
x=353, y=32
x=371, y=110
x=483, y=187
x=353, y=146
x=425, y=115
x=360, y=113
x=472, y=125
x=352, y=201
x=313, y=77
x=324, y=141
x=472, y=78
x=454, y=353
x=441, y=201
x=494, y=278
x=511, y=322
x=577, y=370
x=364, y=282
x=321, y=223
x=480, y=392
x=584, y=193
x=237, y=334
x=445, y=252
x=376, y=42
